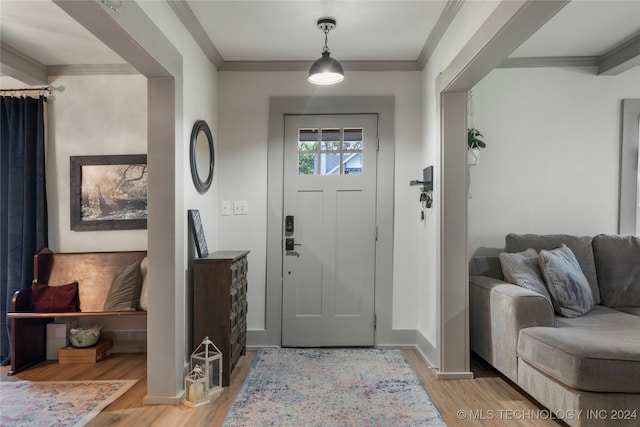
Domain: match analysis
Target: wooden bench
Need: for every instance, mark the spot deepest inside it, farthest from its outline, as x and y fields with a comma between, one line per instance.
x=92, y=270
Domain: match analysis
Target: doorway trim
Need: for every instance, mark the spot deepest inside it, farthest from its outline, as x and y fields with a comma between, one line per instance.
x=629, y=168
x=155, y=57
x=384, y=107
x=508, y=27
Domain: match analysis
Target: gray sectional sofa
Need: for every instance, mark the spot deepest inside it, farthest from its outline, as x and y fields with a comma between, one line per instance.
x=585, y=369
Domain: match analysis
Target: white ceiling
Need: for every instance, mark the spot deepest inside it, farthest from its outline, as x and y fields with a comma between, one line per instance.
x=286, y=30
x=265, y=30
x=584, y=28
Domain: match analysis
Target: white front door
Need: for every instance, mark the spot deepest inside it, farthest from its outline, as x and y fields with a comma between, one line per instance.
x=330, y=208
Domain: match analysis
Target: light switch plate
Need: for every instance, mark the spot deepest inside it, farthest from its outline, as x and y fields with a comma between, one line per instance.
x=225, y=207
x=240, y=207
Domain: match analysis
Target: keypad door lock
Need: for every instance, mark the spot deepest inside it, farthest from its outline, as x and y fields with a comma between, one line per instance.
x=288, y=224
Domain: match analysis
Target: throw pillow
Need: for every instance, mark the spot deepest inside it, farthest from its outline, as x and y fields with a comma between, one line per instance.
x=54, y=299
x=569, y=288
x=521, y=268
x=124, y=292
x=580, y=246
x=144, y=293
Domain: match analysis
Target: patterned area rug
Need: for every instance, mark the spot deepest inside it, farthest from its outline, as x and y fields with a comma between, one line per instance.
x=57, y=403
x=332, y=387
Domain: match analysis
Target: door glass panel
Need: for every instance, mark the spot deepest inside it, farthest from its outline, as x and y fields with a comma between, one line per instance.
x=330, y=151
x=352, y=164
x=331, y=134
x=331, y=164
x=308, y=135
x=330, y=145
x=307, y=164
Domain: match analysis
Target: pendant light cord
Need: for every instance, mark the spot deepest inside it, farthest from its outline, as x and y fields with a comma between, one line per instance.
x=326, y=39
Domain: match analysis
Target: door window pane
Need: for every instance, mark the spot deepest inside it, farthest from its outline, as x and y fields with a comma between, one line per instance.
x=330, y=164
x=308, y=135
x=307, y=164
x=352, y=165
x=330, y=151
x=331, y=134
x=330, y=145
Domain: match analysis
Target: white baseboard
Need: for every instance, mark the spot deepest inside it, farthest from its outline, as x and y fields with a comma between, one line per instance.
x=163, y=400
x=454, y=375
x=431, y=355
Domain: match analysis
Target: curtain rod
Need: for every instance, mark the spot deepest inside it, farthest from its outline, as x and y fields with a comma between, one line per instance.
x=43, y=91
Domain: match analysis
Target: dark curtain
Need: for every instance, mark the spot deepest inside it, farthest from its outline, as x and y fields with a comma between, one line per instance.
x=23, y=219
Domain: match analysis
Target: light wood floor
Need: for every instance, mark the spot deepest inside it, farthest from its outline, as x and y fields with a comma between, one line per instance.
x=487, y=400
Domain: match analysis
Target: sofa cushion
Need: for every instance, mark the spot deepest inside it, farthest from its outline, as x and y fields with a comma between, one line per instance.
x=618, y=267
x=631, y=310
x=580, y=246
x=521, y=268
x=569, y=289
x=597, y=352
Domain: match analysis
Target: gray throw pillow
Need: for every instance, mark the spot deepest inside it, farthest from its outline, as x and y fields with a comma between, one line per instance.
x=580, y=246
x=124, y=292
x=569, y=289
x=521, y=268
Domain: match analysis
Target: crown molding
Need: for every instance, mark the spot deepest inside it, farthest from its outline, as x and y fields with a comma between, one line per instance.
x=21, y=67
x=439, y=29
x=304, y=66
x=90, y=69
x=193, y=25
x=550, y=61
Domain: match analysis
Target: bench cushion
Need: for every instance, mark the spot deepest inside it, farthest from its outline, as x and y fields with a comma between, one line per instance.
x=598, y=352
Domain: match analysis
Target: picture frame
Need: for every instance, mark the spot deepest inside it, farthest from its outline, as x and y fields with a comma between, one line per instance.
x=195, y=223
x=108, y=192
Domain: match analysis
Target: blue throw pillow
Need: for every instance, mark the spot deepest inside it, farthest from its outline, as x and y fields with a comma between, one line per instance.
x=569, y=289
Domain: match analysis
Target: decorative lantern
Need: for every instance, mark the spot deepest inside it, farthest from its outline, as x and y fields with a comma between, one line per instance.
x=195, y=387
x=208, y=356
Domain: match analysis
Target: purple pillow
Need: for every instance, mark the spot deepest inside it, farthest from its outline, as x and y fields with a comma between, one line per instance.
x=54, y=299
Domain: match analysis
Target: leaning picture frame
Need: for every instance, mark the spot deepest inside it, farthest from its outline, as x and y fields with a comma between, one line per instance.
x=195, y=223
x=108, y=192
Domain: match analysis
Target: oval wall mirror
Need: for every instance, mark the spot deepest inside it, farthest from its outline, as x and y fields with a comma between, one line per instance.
x=202, y=156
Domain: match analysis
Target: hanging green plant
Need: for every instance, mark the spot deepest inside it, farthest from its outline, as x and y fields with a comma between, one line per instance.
x=473, y=139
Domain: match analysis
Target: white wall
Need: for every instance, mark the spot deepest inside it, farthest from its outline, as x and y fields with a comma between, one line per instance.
x=243, y=124
x=95, y=115
x=199, y=83
x=92, y=115
x=552, y=162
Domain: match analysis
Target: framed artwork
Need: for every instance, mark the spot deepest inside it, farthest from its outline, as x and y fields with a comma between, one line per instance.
x=198, y=233
x=108, y=192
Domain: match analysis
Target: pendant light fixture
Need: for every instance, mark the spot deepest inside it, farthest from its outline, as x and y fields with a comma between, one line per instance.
x=326, y=70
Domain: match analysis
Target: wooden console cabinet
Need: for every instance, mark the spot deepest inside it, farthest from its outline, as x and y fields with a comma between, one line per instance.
x=220, y=305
